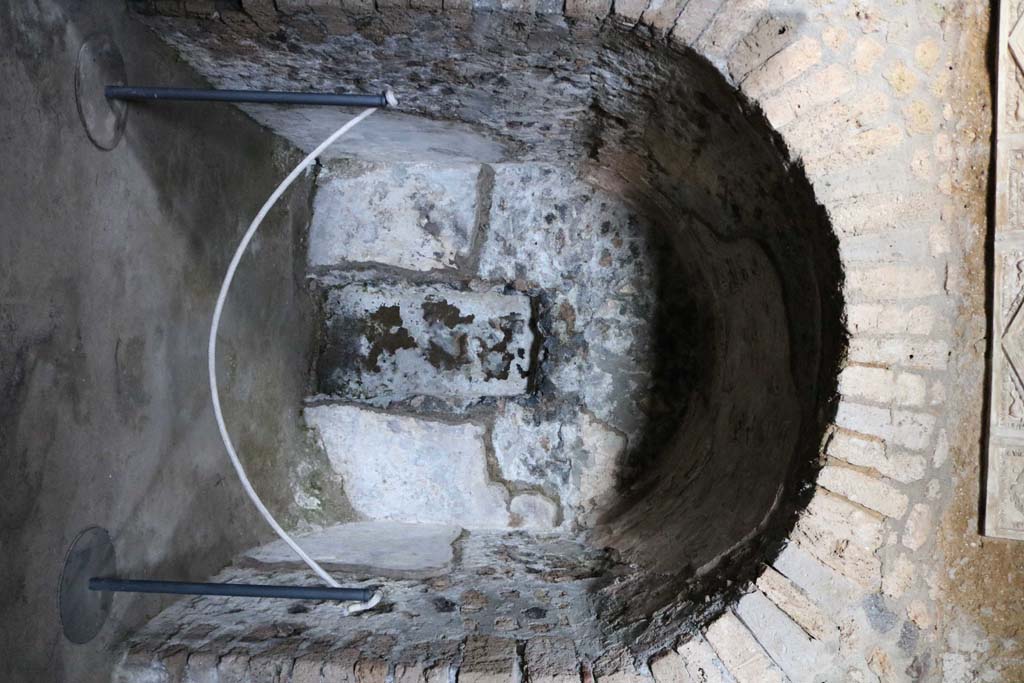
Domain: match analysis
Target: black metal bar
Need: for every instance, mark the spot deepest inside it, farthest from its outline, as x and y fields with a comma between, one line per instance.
x=131, y=92
x=232, y=589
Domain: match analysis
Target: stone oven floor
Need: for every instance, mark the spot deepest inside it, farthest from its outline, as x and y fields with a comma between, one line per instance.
x=446, y=590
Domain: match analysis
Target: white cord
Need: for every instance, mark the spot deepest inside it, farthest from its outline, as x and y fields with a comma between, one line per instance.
x=212, y=360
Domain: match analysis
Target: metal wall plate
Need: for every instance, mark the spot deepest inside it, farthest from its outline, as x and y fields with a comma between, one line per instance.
x=99, y=65
x=82, y=611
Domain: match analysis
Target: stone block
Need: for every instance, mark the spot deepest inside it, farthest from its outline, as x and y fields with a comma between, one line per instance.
x=590, y=10
x=379, y=548
x=882, y=385
x=842, y=536
x=891, y=319
x=804, y=95
x=784, y=66
x=768, y=37
x=527, y=448
x=878, y=212
x=693, y=20
x=661, y=15
x=629, y=11
x=418, y=217
x=799, y=656
x=308, y=669
x=701, y=662
x=866, y=53
x=669, y=668
x=387, y=343
x=924, y=354
x=488, y=659
x=820, y=582
x=730, y=22
x=873, y=453
x=897, y=577
x=371, y=670
x=432, y=471
x=893, y=246
x=551, y=660
x=797, y=604
x=894, y=282
x=864, y=489
x=202, y=668
x=745, y=659
x=919, y=527
x=533, y=511
x=901, y=427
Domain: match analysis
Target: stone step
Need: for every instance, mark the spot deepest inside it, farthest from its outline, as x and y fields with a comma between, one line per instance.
x=416, y=217
x=375, y=548
x=431, y=470
x=389, y=343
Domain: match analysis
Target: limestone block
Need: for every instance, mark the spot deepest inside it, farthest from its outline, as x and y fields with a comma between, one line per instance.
x=900, y=427
x=693, y=20
x=864, y=489
x=882, y=385
x=804, y=95
x=387, y=343
x=528, y=448
x=202, y=668
x=371, y=670
x=883, y=213
x=629, y=11
x=412, y=216
x=891, y=319
x=799, y=656
x=432, y=471
x=866, y=52
x=533, y=511
x=782, y=67
x=797, y=604
x=822, y=584
x=925, y=354
x=669, y=668
x=701, y=662
x=897, y=577
x=842, y=536
x=379, y=548
x=661, y=15
x=900, y=246
x=488, y=659
x=308, y=669
x=745, y=659
x=919, y=527
x=729, y=23
x=604, y=448
x=593, y=10
x=551, y=660
x=873, y=453
x=894, y=282
x=768, y=37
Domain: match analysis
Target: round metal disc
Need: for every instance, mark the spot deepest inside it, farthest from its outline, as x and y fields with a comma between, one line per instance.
x=99, y=65
x=82, y=611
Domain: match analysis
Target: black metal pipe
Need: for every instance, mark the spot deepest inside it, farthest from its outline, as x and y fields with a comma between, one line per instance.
x=232, y=589
x=135, y=93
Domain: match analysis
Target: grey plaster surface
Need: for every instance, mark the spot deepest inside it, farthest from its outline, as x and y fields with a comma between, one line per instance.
x=411, y=216
x=108, y=272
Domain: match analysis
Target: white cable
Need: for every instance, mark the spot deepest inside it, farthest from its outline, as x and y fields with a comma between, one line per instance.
x=212, y=359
